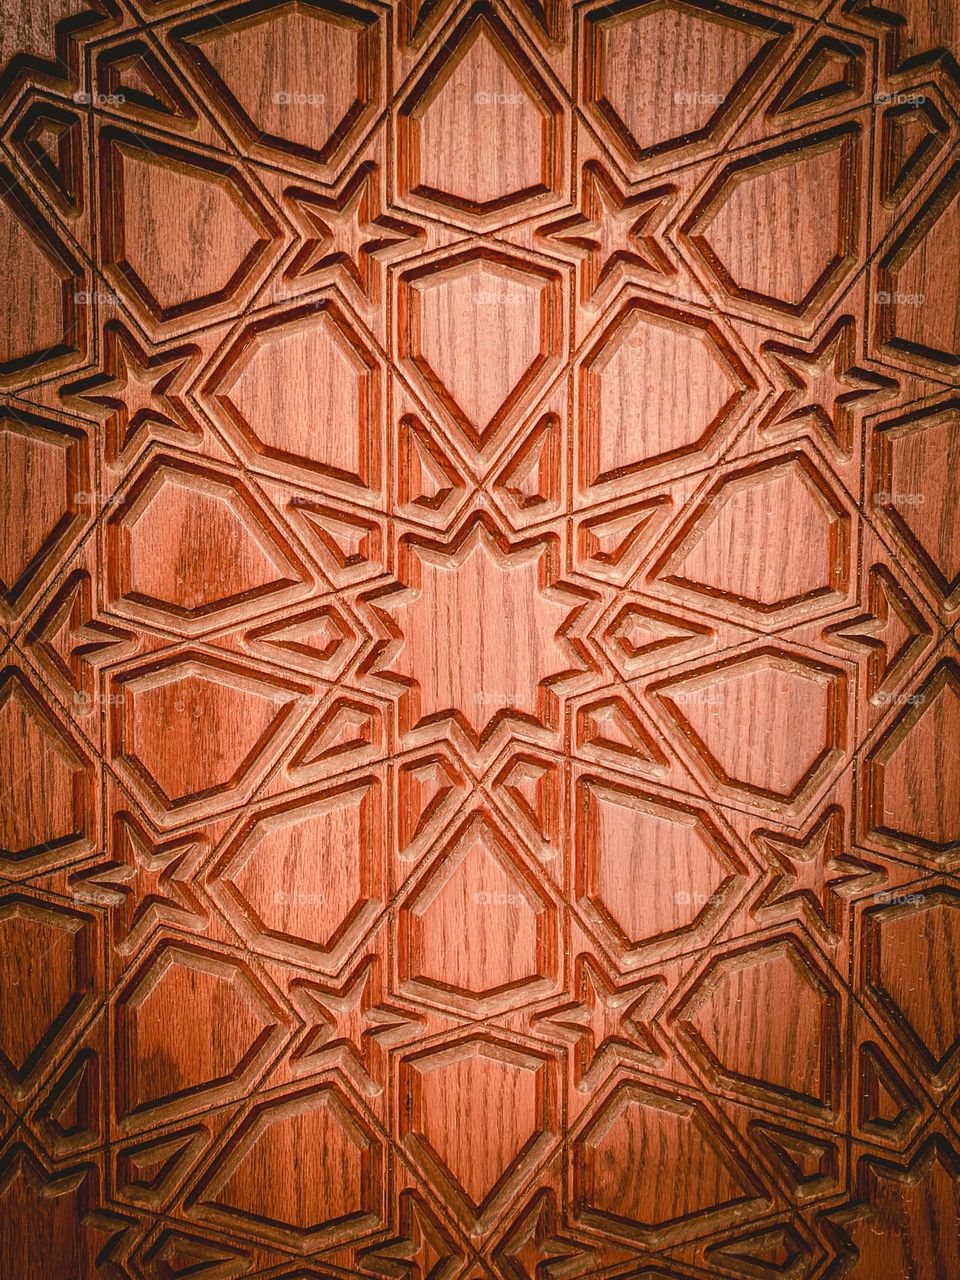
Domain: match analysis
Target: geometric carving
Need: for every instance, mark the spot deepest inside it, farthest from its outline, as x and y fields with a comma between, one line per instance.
x=452, y=129
x=626, y=423
x=479, y=332
x=304, y=388
x=915, y=489
x=811, y=184
x=909, y=954
x=746, y=510
x=695, y=1172
x=179, y=988
x=42, y=1003
x=649, y=868
x=474, y=1159
x=715, y=59
x=227, y=552
x=802, y=1064
x=303, y=880
x=477, y=930
x=732, y=716
x=46, y=783
x=44, y=467
x=339, y=1161
x=911, y=776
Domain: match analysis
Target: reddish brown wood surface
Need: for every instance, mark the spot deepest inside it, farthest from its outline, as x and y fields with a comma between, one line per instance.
x=480, y=685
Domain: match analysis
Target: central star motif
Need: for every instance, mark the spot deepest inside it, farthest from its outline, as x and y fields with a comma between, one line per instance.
x=480, y=631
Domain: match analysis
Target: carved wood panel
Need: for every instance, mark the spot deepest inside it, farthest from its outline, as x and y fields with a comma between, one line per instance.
x=480, y=683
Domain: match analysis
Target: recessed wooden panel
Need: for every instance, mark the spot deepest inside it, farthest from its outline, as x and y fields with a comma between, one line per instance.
x=479, y=673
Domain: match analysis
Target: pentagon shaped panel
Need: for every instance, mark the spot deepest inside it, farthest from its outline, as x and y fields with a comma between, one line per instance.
x=160, y=265
x=909, y=961
x=43, y=1003
x=696, y=1178
x=812, y=184
x=769, y=725
x=800, y=1067
x=626, y=425
x=480, y=134
x=722, y=554
x=45, y=471
x=480, y=332
x=476, y=931
x=650, y=870
x=910, y=794
x=450, y=1094
x=191, y=730
x=47, y=782
x=661, y=75
x=915, y=492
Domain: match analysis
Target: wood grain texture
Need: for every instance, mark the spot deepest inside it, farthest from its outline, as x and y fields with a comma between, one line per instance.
x=479, y=668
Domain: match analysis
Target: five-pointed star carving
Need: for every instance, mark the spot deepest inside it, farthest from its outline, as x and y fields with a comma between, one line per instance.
x=612, y=230
x=604, y=1020
x=825, y=386
x=812, y=871
x=138, y=392
x=480, y=630
x=345, y=1023
x=147, y=883
x=348, y=232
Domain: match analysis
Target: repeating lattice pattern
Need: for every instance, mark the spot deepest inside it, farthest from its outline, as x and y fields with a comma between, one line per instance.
x=480, y=697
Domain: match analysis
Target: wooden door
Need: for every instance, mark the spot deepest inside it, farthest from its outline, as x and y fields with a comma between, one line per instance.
x=480, y=687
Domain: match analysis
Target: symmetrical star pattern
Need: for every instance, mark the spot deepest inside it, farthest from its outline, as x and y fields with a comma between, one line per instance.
x=479, y=612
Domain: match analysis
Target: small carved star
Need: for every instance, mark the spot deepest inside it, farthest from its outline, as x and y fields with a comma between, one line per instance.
x=147, y=883
x=825, y=386
x=138, y=393
x=613, y=231
x=345, y=1023
x=813, y=872
x=605, y=1021
x=349, y=232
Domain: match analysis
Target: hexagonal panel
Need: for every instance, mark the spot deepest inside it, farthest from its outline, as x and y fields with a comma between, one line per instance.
x=649, y=869
x=320, y=72
x=43, y=998
x=185, y=994
x=47, y=781
x=339, y=1163
x=479, y=331
x=303, y=881
x=693, y=1170
x=768, y=725
x=911, y=779
x=915, y=490
x=723, y=550
x=626, y=423
x=157, y=263
x=802, y=1065
x=193, y=728
x=305, y=389
x=223, y=549
x=476, y=930
x=480, y=131
x=812, y=185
